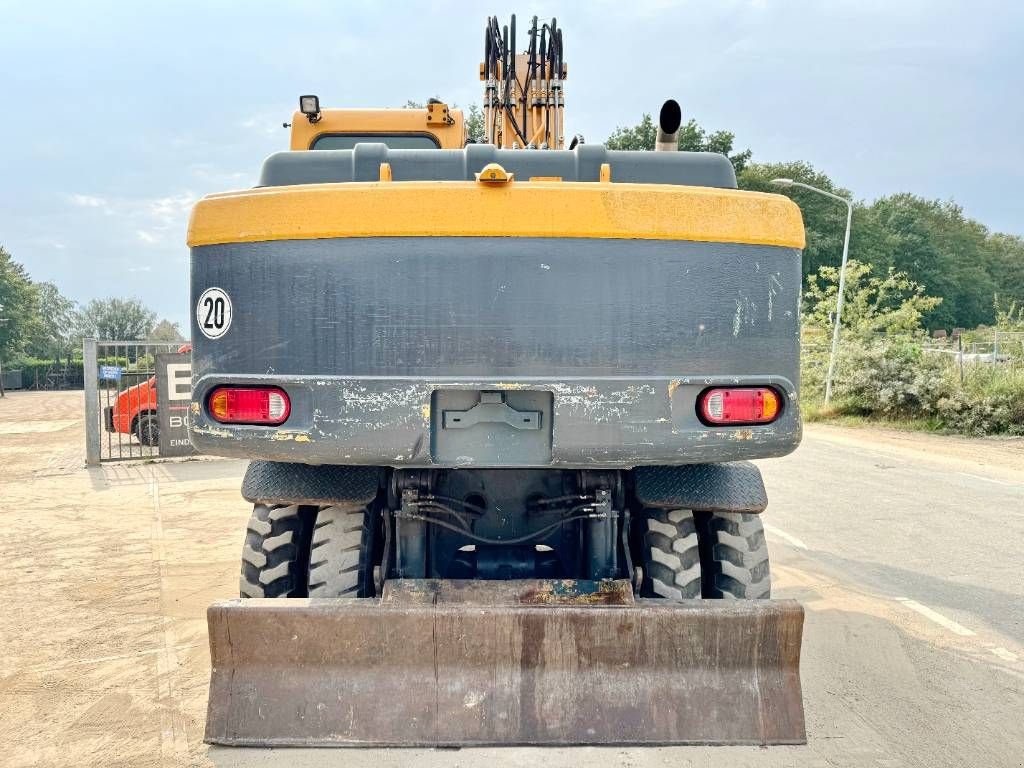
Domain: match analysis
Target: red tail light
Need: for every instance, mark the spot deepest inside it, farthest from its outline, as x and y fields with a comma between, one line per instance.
x=740, y=405
x=250, y=405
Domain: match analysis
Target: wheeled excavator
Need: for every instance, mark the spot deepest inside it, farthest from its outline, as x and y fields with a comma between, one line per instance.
x=499, y=399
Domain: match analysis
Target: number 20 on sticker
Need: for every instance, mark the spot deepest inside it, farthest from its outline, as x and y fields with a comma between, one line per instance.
x=213, y=313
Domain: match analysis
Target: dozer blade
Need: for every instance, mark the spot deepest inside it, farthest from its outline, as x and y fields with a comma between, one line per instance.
x=529, y=662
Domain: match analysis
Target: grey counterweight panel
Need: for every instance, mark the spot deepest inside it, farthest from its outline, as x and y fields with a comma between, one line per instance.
x=501, y=306
x=585, y=422
x=601, y=349
x=702, y=169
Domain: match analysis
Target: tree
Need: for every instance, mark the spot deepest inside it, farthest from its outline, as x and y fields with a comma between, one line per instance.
x=1009, y=315
x=120, y=319
x=1006, y=257
x=692, y=138
x=475, y=124
x=165, y=330
x=19, y=306
x=54, y=331
x=935, y=244
x=641, y=136
x=871, y=305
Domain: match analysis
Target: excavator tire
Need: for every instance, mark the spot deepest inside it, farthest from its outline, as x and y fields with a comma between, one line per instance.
x=275, y=556
x=734, y=556
x=671, y=554
x=340, y=560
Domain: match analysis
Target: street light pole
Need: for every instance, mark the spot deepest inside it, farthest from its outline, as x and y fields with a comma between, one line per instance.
x=842, y=275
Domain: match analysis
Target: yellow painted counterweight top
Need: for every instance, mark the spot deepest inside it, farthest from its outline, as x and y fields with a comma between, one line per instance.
x=518, y=209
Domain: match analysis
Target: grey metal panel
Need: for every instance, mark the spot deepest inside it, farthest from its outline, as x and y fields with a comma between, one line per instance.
x=476, y=306
x=624, y=334
x=596, y=422
x=704, y=169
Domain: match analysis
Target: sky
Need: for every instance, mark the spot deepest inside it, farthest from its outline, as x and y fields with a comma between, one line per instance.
x=116, y=117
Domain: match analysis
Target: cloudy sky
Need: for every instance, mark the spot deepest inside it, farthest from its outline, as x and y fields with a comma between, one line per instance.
x=116, y=117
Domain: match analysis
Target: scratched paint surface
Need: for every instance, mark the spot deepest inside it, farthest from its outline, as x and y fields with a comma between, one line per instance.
x=624, y=334
x=501, y=307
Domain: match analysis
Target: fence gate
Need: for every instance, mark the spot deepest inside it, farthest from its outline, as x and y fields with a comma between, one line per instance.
x=122, y=408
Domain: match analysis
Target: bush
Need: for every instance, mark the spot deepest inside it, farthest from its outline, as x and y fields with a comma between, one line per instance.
x=893, y=376
x=991, y=402
x=34, y=372
x=893, y=379
x=897, y=379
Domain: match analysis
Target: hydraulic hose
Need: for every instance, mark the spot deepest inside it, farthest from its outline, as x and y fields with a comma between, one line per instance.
x=518, y=540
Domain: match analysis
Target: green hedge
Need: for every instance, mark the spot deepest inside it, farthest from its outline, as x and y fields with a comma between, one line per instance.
x=34, y=371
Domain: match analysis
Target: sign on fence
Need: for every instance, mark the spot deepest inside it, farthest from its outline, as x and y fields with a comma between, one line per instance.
x=111, y=372
x=174, y=393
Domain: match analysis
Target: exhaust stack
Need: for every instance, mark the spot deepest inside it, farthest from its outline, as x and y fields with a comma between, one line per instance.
x=669, y=120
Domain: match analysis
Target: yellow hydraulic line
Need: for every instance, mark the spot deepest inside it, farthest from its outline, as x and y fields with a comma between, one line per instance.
x=538, y=134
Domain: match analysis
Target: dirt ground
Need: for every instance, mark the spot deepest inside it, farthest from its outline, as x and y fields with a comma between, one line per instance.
x=108, y=571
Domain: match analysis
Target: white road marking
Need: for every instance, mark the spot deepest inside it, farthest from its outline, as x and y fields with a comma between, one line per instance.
x=989, y=479
x=1004, y=654
x=771, y=529
x=937, y=617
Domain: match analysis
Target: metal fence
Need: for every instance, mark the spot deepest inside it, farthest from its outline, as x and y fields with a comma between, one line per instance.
x=1009, y=344
x=120, y=399
x=991, y=346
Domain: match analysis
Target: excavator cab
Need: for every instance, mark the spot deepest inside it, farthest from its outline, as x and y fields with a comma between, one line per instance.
x=434, y=126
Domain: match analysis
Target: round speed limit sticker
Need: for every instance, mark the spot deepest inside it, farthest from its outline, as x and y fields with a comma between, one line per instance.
x=213, y=313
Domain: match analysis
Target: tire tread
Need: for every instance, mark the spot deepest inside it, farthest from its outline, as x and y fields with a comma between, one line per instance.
x=340, y=553
x=671, y=555
x=276, y=551
x=734, y=555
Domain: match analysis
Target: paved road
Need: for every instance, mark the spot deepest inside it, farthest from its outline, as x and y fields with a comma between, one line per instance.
x=907, y=551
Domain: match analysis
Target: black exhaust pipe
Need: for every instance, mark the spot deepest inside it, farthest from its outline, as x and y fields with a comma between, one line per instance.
x=669, y=120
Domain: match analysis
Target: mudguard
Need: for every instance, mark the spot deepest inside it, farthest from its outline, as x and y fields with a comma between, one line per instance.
x=730, y=487
x=278, y=482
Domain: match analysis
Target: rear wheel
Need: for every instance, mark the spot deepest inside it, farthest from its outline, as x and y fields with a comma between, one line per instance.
x=671, y=555
x=341, y=556
x=690, y=555
x=734, y=556
x=275, y=556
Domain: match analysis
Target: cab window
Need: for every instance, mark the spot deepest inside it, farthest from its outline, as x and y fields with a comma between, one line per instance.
x=393, y=140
